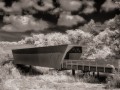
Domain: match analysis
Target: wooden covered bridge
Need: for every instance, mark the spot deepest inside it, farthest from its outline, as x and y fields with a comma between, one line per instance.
x=62, y=57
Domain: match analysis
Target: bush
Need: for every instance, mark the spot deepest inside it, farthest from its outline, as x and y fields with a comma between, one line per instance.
x=113, y=81
x=90, y=79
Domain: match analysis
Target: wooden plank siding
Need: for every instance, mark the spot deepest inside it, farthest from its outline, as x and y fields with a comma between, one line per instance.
x=44, y=60
x=50, y=56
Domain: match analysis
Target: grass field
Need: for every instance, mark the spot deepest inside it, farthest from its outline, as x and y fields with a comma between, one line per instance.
x=43, y=79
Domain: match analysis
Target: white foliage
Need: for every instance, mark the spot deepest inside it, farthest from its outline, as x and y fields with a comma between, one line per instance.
x=57, y=39
x=39, y=40
x=101, y=53
x=78, y=36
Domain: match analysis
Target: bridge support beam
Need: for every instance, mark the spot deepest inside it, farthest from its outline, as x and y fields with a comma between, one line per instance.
x=93, y=74
x=30, y=69
x=73, y=72
x=98, y=75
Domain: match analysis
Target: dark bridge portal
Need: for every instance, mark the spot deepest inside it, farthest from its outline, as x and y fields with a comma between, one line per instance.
x=74, y=53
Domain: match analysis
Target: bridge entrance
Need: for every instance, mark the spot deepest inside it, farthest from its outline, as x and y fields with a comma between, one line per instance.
x=74, y=53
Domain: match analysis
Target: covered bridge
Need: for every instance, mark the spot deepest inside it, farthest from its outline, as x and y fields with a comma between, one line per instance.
x=50, y=56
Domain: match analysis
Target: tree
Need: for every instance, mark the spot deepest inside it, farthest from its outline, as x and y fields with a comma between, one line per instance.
x=56, y=39
x=39, y=40
x=79, y=37
x=93, y=27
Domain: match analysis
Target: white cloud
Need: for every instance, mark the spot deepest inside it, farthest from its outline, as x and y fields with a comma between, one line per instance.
x=9, y=28
x=109, y=6
x=70, y=5
x=23, y=23
x=69, y=20
x=2, y=4
x=18, y=6
x=89, y=7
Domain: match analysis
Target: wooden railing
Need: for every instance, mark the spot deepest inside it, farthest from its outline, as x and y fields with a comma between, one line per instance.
x=92, y=65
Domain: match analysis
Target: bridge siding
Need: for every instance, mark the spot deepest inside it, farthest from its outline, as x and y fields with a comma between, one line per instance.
x=51, y=56
x=45, y=60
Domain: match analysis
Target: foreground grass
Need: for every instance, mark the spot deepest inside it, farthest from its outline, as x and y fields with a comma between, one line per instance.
x=14, y=77
x=51, y=80
x=38, y=78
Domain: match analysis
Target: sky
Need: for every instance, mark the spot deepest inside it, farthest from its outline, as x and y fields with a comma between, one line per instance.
x=20, y=18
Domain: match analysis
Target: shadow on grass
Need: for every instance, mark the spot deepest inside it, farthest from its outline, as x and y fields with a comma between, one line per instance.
x=27, y=70
x=89, y=78
x=94, y=79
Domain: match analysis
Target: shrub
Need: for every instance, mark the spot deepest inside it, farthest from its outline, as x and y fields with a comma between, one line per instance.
x=113, y=81
x=90, y=79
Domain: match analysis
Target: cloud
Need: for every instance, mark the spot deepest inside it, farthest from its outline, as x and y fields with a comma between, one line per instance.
x=1, y=4
x=23, y=23
x=75, y=5
x=9, y=28
x=70, y=5
x=109, y=5
x=89, y=6
x=47, y=4
x=18, y=22
x=18, y=6
x=69, y=20
x=13, y=9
